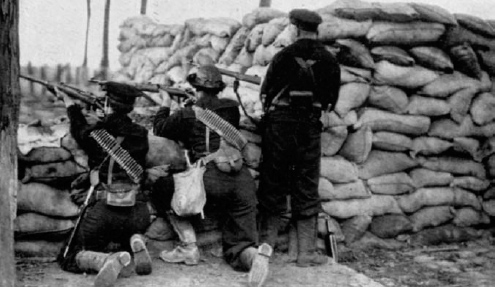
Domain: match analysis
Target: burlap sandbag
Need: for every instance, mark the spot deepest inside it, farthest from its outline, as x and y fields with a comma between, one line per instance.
x=389, y=141
x=355, y=227
x=286, y=37
x=272, y=29
x=351, y=96
x=355, y=54
x=221, y=26
x=490, y=166
x=465, y=60
x=444, y=234
x=255, y=37
x=160, y=41
x=338, y=170
x=206, y=56
x=483, y=108
x=431, y=217
x=261, y=15
x=489, y=207
x=38, y=248
x=487, y=60
x=219, y=43
x=475, y=24
x=264, y=55
x=391, y=184
x=332, y=140
x=333, y=28
x=394, y=55
x=374, y=206
x=469, y=146
x=449, y=129
x=423, y=177
x=53, y=172
x=413, y=77
x=41, y=198
x=427, y=106
x=487, y=148
x=470, y=217
x=45, y=155
x=388, y=98
x=342, y=191
x=244, y=58
x=389, y=226
x=470, y=183
x=353, y=74
x=385, y=121
x=34, y=224
x=433, y=13
x=490, y=193
x=234, y=47
x=429, y=146
x=357, y=146
x=359, y=10
x=408, y=34
x=435, y=196
x=448, y=84
x=453, y=165
x=383, y=162
x=163, y=151
x=432, y=58
x=156, y=54
x=457, y=35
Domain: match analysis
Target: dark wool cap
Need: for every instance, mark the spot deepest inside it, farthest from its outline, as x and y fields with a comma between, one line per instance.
x=305, y=19
x=121, y=94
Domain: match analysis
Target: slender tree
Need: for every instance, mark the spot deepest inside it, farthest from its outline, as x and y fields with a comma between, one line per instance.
x=88, y=14
x=106, y=24
x=9, y=119
x=144, y=5
x=265, y=3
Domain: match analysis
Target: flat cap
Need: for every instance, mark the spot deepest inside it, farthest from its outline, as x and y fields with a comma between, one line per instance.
x=305, y=19
x=121, y=94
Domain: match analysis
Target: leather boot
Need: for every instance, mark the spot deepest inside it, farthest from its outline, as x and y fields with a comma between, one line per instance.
x=108, y=266
x=269, y=225
x=257, y=261
x=142, y=259
x=306, y=237
x=187, y=251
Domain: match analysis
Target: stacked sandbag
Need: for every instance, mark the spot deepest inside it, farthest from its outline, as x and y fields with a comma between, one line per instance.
x=410, y=143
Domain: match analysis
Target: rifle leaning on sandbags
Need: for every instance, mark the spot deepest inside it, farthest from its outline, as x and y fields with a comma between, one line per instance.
x=155, y=88
x=73, y=92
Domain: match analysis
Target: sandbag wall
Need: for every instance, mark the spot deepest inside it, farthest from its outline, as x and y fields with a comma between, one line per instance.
x=49, y=160
x=409, y=146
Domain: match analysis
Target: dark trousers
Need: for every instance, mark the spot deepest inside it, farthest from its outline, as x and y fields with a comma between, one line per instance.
x=233, y=197
x=291, y=163
x=103, y=224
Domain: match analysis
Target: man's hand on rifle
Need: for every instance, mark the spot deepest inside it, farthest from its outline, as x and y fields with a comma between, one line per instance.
x=166, y=99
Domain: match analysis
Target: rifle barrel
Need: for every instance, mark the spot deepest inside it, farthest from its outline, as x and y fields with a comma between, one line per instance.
x=246, y=78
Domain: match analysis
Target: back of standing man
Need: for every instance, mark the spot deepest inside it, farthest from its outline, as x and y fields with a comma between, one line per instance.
x=302, y=81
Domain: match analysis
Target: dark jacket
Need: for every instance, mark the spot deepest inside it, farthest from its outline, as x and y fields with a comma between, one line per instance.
x=182, y=125
x=135, y=140
x=284, y=70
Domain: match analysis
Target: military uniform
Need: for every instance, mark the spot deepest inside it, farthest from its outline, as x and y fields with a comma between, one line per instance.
x=103, y=223
x=302, y=80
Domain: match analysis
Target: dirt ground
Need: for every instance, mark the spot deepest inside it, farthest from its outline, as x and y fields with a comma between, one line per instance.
x=454, y=265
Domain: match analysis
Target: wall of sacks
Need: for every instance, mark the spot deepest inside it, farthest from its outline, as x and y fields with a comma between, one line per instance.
x=408, y=153
x=409, y=146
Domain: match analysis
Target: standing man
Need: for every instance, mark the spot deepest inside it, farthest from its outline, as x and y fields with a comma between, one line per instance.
x=108, y=219
x=234, y=192
x=302, y=81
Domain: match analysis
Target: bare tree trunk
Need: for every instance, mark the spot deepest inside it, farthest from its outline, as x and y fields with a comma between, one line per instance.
x=144, y=5
x=106, y=23
x=88, y=10
x=9, y=119
x=265, y=3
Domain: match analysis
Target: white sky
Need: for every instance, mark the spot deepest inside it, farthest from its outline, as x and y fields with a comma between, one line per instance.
x=53, y=31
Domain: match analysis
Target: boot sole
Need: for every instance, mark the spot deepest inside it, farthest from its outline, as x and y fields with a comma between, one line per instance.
x=187, y=261
x=110, y=271
x=259, y=269
x=142, y=258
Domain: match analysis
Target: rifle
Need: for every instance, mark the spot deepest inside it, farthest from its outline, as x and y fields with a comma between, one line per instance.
x=155, y=88
x=94, y=180
x=241, y=77
x=71, y=91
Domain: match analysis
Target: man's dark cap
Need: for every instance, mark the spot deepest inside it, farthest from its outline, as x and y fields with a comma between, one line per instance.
x=305, y=19
x=121, y=94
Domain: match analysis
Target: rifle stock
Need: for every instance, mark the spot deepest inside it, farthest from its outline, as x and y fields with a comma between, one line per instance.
x=71, y=91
